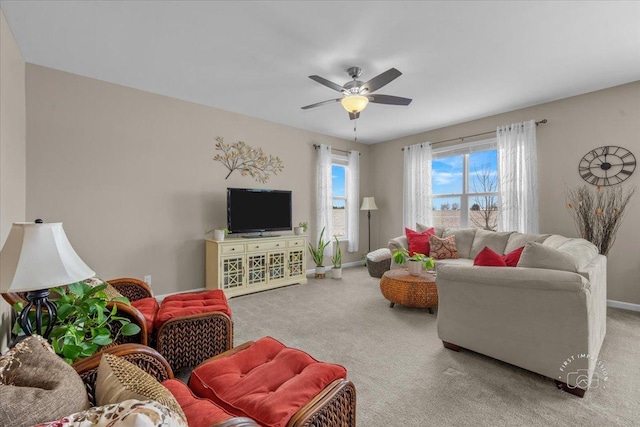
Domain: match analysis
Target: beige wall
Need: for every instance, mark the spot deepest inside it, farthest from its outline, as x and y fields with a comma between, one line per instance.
x=576, y=125
x=131, y=175
x=12, y=148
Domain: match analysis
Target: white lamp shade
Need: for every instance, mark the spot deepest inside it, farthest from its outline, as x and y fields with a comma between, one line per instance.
x=369, y=204
x=39, y=256
x=354, y=103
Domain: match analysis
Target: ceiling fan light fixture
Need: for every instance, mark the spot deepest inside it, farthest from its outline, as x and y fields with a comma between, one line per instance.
x=354, y=103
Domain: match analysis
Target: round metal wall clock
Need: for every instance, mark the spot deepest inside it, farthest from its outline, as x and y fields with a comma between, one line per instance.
x=607, y=165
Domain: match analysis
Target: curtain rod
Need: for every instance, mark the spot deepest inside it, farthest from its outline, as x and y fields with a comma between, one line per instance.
x=316, y=146
x=543, y=121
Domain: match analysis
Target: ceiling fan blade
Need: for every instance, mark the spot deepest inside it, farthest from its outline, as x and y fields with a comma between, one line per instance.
x=317, y=104
x=327, y=83
x=354, y=116
x=388, y=99
x=380, y=80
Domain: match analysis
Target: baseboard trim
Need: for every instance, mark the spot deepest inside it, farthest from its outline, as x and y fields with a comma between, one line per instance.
x=623, y=305
x=161, y=297
x=345, y=265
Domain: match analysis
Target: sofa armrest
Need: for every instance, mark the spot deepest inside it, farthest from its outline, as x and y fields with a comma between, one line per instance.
x=398, y=243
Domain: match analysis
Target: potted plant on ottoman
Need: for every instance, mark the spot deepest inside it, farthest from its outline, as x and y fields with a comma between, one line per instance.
x=336, y=273
x=318, y=256
x=414, y=262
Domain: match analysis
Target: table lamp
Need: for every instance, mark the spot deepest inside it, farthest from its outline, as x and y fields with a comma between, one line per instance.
x=369, y=204
x=36, y=257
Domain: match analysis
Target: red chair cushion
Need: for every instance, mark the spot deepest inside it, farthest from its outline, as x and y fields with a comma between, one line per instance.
x=149, y=309
x=488, y=258
x=200, y=412
x=266, y=381
x=419, y=242
x=512, y=258
x=181, y=305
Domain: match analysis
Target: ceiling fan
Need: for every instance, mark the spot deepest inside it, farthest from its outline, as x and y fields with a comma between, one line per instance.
x=357, y=94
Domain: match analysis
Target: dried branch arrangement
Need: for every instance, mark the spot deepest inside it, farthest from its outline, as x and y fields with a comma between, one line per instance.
x=250, y=161
x=598, y=213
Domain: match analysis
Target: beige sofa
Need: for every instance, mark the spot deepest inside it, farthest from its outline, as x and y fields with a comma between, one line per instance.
x=547, y=315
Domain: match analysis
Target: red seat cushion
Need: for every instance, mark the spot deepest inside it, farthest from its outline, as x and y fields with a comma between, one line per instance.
x=200, y=412
x=266, y=381
x=181, y=305
x=149, y=309
x=488, y=258
x=512, y=258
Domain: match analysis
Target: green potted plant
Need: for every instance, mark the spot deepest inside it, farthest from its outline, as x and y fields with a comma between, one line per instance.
x=218, y=233
x=414, y=262
x=301, y=228
x=336, y=272
x=317, y=254
x=84, y=323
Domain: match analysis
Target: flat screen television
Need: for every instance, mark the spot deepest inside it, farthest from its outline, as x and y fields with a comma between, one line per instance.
x=258, y=210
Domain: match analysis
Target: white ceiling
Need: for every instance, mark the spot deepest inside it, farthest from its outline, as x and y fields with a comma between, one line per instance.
x=460, y=60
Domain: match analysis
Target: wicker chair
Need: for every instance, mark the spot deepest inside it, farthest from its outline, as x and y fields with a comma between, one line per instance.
x=148, y=360
x=184, y=341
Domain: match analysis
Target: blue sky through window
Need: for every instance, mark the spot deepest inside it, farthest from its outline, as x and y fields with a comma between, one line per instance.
x=338, y=184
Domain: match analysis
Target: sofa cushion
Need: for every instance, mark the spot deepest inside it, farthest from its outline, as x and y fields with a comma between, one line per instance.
x=464, y=240
x=496, y=240
x=457, y=261
x=512, y=258
x=149, y=309
x=583, y=251
x=119, y=380
x=518, y=240
x=421, y=227
x=418, y=242
x=267, y=381
x=200, y=412
x=555, y=241
x=443, y=248
x=130, y=413
x=186, y=304
x=536, y=255
x=488, y=258
x=36, y=385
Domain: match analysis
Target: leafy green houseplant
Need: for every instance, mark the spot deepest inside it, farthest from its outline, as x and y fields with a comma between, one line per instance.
x=84, y=323
x=414, y=262
x=336, y=272
x=317, y=254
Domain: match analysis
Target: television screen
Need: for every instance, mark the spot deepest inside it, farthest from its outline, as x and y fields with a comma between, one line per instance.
x=252, y=210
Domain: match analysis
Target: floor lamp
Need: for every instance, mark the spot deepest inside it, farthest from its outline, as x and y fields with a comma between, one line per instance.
x=369, y=204
x=36, y=257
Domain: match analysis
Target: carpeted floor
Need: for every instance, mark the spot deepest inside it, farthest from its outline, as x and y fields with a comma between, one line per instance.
x=404, y=376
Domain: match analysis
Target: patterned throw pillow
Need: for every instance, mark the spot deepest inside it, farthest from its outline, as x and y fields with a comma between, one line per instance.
x=443, y=248
x=109, y=290
x=130, y=413
x=119, y=380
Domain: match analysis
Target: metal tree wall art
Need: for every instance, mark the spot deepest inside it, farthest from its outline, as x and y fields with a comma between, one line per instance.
x=250, y=161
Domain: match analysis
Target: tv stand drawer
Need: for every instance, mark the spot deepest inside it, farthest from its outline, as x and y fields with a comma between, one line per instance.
x=264, y=246
x=232, y=249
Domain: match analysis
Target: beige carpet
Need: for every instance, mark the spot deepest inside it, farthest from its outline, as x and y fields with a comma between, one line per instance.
x=403, y=375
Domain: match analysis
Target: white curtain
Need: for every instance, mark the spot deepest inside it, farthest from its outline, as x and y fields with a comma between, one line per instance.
x=417, y=185
x=353, y=198
x=518, y=171
x=324, y=203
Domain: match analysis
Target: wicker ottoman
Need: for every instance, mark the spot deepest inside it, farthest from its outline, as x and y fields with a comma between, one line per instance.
x=399, y=287
x=378, y=262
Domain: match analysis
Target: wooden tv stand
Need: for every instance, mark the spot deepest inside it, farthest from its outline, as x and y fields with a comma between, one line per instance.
x=242, y=266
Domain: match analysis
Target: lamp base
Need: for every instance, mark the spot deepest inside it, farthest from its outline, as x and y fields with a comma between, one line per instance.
x=38, y=299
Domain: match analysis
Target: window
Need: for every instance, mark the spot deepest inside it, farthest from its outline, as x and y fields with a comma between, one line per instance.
x=339, y=193
x=464, y=182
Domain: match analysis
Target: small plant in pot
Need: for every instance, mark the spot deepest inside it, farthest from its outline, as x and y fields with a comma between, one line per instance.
x=414, y=262
x=301, y=228
x=218, y=233
x=336, y=273
x=318, y=256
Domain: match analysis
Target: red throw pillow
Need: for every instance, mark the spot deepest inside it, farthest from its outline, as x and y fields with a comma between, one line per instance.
x=512, y=258
x=419, y=242
x=488, y=258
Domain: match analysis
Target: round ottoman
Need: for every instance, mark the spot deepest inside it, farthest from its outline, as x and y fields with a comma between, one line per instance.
x=378, y=262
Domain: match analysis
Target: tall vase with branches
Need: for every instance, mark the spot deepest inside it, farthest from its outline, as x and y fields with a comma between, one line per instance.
x=598, y=212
